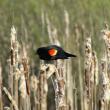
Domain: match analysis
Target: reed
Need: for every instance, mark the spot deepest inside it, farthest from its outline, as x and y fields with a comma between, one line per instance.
x=1, y=102
x=54, y=87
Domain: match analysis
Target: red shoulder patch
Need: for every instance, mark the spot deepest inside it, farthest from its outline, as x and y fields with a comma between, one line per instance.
x=52, y=52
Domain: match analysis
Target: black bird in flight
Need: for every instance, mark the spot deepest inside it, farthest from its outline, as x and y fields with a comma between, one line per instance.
x=53, y=52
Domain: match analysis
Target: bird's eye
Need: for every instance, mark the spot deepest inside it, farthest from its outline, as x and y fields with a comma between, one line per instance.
x=52, y=52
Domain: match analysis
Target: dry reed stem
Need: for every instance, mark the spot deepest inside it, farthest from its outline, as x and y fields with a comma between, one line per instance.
x=59, y=87
x=24, y=99
x=58, y=78
x=23, y=74
x=34, y=83
x=26, y=74
x=58, y=81
x=95, y=80
x=13, y=82
x=106, y=37
x=67, y=68
x=14, y=46
x=13, y=65
x=91, y=76
x=67, y=22
x=104, y=86
x=22, y=83
x=49, y=29
x=43, y=21
x=1, y=103
x=52, y=32
x=104, y=101
x=88, y=59
x=50, y=70
x=95, y=66
x=33, y=90
x=19, y=75
x=42, y=88
x=80, y=79
x=25, y=63
x=10, y=98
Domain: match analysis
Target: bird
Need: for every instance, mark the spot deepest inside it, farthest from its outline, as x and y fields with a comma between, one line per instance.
x=53, y=52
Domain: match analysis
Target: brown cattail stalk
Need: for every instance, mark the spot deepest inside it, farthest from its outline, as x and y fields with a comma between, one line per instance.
x=104, y=102
x=104, y=83
x=19, y=74
x=52, y=32
x=24, y=83
x=1, y=103
x=88, y=61
x=58, y=79
x=67, y=67
x=47, y=71
x=33, y=96
x=49, y=29
x=42, y=89
x=59, y=87
x=24, y=102
x=80, y=77
x=10, y=98
x=26, y=74
x=13, y=65
x=91, y=77
x=106, y=37
x=95, y=80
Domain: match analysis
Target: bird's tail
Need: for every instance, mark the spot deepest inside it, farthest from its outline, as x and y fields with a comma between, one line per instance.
x=70, y=55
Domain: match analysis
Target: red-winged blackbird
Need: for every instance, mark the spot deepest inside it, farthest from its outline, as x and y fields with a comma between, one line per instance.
x=53, y=52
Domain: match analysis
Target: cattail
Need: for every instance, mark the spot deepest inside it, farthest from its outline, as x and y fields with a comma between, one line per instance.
x=49, y=29
x=95, y=66
x=42, y=89
x=58, y=78
x=1, y=103
x=88, y=61
x=106, y=37
x=26, y=74
x=52, y=33
x=14, y=46
x=22, y=83
x=104, y=83
x=25, y=63
x=60, y=88
x=13, y=60
x=91, y=76
x=80, y=75
x=34, y=91
x=10, y=98
x=94, y=80
x=50, y=69
x=22, y=86
x=34, y=83
x=66, y=16
x=104, y=73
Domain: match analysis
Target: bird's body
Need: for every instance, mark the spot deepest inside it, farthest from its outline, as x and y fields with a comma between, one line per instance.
x=53, y=52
